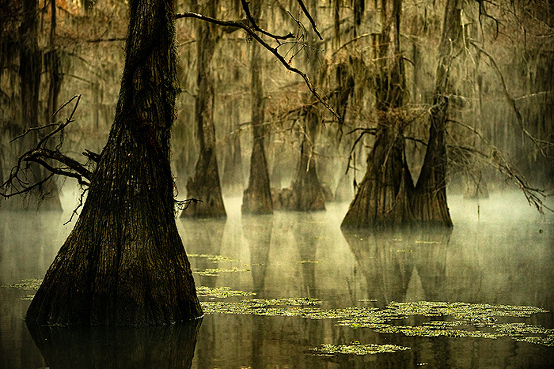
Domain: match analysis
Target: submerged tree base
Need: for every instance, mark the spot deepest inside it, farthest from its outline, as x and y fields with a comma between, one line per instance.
x=124, y=262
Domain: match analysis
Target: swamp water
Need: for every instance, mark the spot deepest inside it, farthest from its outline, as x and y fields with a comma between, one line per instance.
x=293, y=291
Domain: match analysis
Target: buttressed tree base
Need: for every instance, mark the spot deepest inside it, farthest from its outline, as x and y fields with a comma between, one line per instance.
x=124, y=262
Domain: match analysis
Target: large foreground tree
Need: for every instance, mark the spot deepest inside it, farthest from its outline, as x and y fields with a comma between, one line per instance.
x=124, y=262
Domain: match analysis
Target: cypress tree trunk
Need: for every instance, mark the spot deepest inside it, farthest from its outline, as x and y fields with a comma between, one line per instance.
x=257, y=197
x=429, y=201
x=383, y=196
x=30, y=67
x=307, y=192
x=233, y=182
x=205, y=184
x=52, y=62
x=124, y=262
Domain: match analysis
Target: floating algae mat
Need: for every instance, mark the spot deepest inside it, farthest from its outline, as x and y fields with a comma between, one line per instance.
x=446, y=319
x=356, y=348
x=215, y=272
x=220, y=292
x=451, y=319
x=26, y=284
x=211, y=257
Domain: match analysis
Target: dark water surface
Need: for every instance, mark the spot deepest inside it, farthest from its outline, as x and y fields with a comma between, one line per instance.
x=293, y=291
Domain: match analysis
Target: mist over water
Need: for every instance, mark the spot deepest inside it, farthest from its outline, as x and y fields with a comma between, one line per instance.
x=499, y=254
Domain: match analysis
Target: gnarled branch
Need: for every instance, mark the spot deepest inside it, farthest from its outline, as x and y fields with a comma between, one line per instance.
x=255, y=26
x=18, y=182
x=274, y=50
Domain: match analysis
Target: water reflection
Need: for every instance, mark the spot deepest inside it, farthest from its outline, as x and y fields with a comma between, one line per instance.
x=401, y=265
x=202, y=240
x=506, y=259
x=117, y=347
x=257, y=231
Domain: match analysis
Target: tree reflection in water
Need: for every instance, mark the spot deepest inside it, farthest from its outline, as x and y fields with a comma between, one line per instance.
x=401, y=264
x=117, y=347
x=488, y=283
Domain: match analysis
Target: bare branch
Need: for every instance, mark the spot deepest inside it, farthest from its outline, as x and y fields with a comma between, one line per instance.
x=59, y=128
x=268, y=47
x=33, y=129
x=81, y=203
x=184, y=204
x=92, y=155
x=307, y=13
x=255, y=26
x=496, y=160
x=18, y=183
x=364, y=131
x=58, y=171
x=111, y=39
x=26, y=189
x=72, y=164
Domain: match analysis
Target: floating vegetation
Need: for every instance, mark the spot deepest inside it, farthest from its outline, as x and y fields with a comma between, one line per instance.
x=220, y=292
x=214, y=272
x=457, y=320
x=446, y=319
x=211, y=257
x=26, y=284
x=470, y=320
x=304, y=307
x=356, y=348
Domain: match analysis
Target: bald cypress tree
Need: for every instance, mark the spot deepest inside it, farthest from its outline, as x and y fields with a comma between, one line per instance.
x=384, y=193
x=205, y=184
x=429, y=201
x=124, y=262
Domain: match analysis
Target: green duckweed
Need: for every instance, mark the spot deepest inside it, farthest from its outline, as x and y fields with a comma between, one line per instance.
x=445, y=319
x=356, y=348
x=26, y=284
x=220, y=292
x=211, y=257
x=453, y=320
x=215, y=272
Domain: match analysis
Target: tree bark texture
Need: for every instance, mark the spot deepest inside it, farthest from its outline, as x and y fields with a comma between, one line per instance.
x=384, y=193
x=257, y=197
x=429, y=201
x=205, y=184
x=124, y=262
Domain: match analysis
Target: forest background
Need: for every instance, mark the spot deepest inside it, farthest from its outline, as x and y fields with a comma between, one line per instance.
x=500, y=111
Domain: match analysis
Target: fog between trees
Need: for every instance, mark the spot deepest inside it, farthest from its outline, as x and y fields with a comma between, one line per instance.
x=376, y=66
